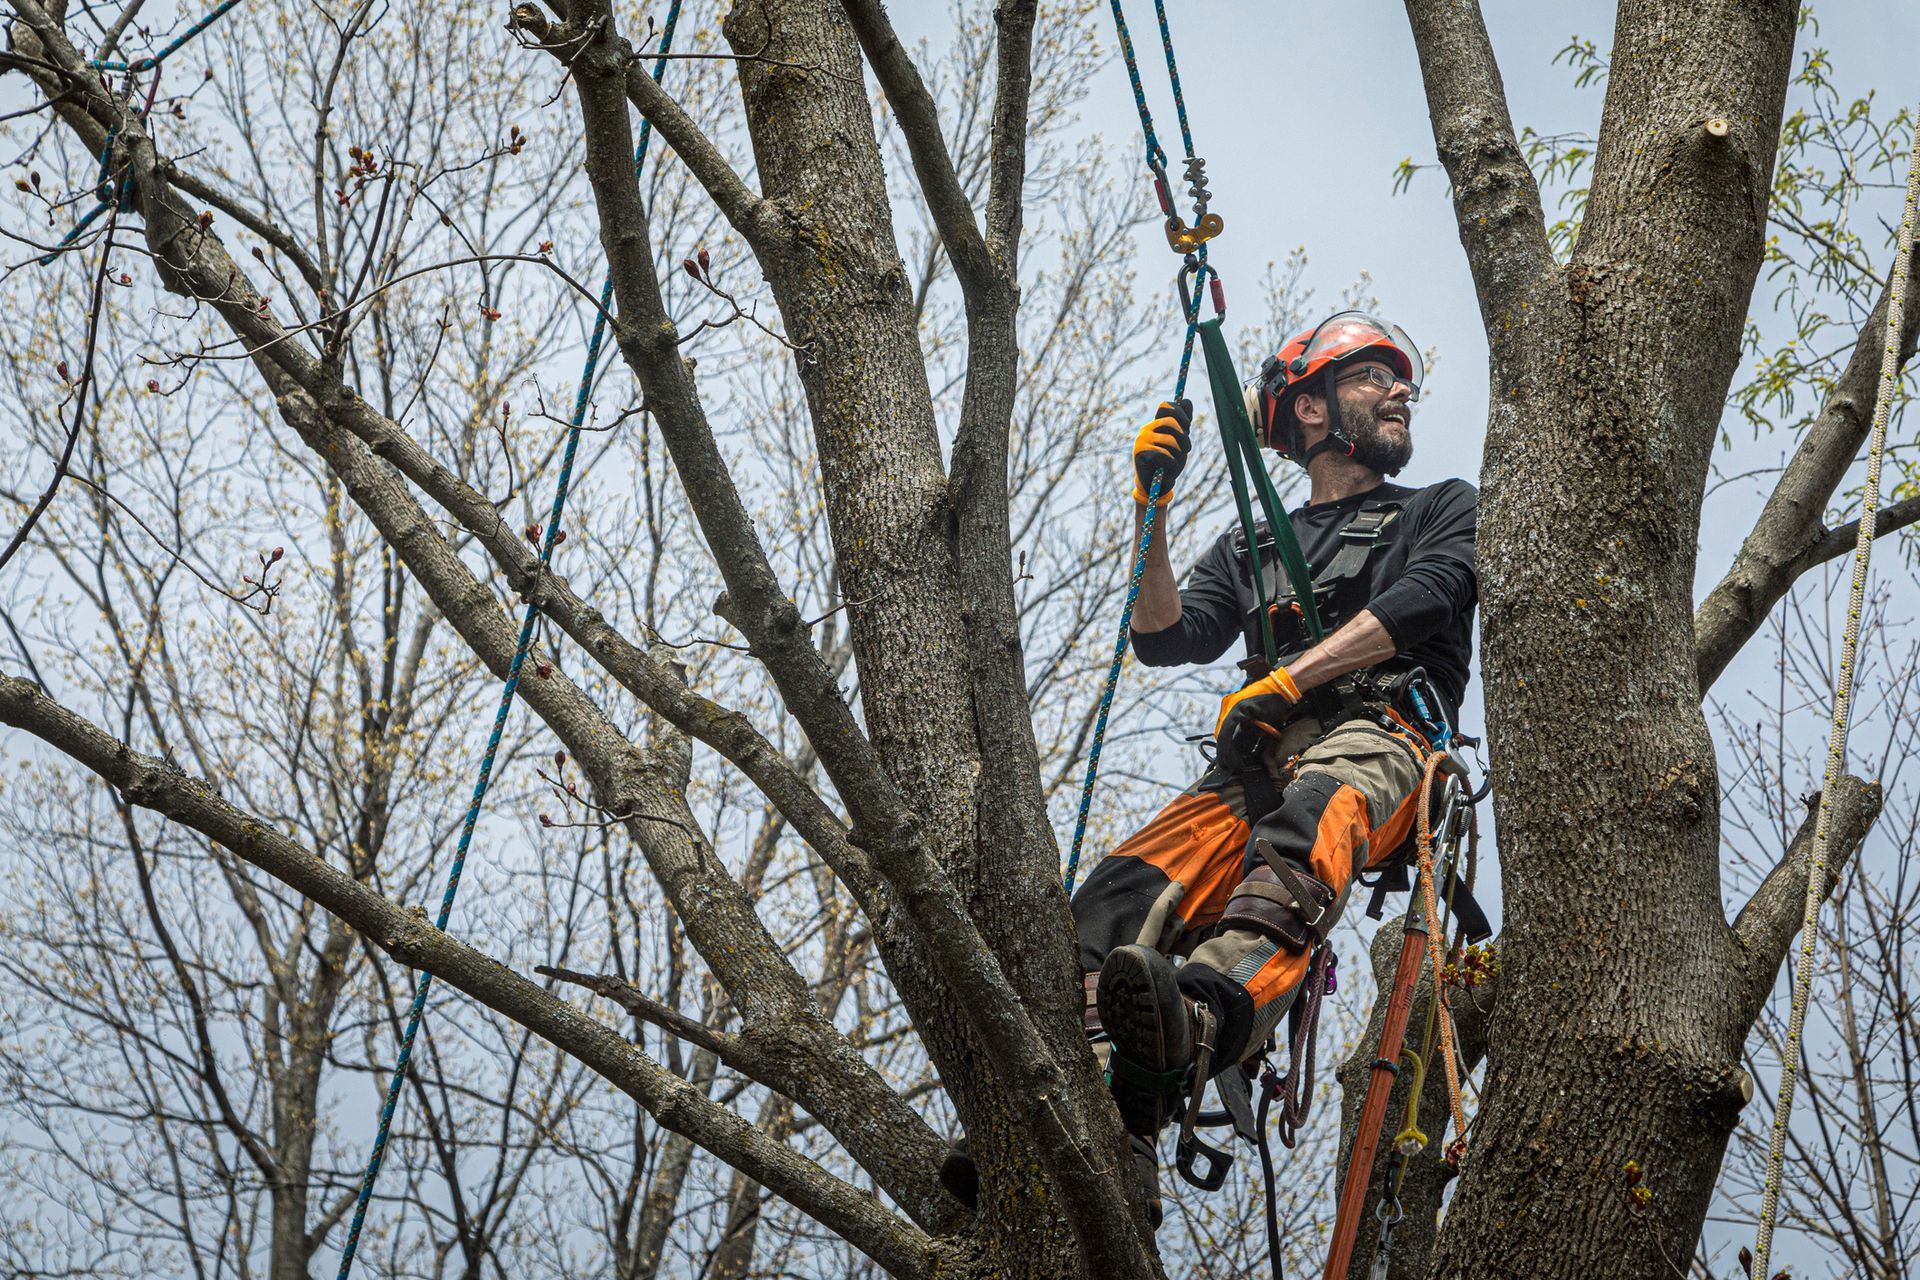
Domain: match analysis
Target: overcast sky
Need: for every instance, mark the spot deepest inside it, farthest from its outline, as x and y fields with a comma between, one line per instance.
x=1303, y=112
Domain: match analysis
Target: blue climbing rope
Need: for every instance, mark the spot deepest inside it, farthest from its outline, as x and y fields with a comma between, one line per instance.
x=173, y=47
x=1156, y=158
x=107, y=191
x=1173, y=72
x=111, y=193
x=418, y=1010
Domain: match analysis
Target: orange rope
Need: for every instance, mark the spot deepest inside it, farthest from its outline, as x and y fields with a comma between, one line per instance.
x=1435, y=945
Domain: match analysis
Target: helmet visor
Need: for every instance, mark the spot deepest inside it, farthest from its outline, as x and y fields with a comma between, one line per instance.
x=1354, y=334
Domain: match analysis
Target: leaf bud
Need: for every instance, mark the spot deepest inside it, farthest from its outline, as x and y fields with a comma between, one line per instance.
x=706, y=263
x=692, y=267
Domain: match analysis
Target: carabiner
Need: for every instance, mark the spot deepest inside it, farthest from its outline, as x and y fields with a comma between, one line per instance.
x=1192, y=269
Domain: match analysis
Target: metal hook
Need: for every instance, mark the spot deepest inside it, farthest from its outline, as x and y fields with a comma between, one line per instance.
x=1192, y=270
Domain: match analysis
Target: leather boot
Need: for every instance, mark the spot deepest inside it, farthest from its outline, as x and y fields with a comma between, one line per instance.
x=1151, y=1027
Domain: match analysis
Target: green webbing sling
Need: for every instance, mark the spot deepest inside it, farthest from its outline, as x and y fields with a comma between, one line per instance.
x=1243, y=459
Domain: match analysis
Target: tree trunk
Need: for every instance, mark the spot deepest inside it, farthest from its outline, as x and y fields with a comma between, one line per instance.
x=1614, y=1072
x=842, y=291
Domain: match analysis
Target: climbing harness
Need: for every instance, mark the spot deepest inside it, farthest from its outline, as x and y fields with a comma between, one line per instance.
x=1837, y=738
x=418, y=1009
x=1420, y=941
x=1190, y=241
x=1443, y=899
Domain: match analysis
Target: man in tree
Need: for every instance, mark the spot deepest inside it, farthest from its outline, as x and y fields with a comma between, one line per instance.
x=1319, y=758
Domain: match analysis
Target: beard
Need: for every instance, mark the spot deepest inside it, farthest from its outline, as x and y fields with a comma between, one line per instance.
x=1378, y=445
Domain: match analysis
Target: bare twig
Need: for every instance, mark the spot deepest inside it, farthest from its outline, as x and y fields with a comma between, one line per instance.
x=94, y=309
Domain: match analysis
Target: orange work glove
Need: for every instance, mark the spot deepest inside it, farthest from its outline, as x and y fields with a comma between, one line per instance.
x=1248, y=714
x=1162, y=446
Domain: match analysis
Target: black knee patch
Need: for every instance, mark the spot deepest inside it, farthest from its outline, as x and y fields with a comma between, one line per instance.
x=1295, y=825
x=1111, y=905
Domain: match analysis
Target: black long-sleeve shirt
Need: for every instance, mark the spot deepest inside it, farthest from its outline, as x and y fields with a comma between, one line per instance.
x=1418, y=582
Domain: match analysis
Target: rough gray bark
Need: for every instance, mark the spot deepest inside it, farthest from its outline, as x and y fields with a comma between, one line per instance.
x=1625, y=997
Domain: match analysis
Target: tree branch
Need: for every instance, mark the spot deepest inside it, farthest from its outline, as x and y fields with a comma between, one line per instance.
x=281, y=240
x=1767, y=925
x=1007, y=161
x=1035, y=1085
x=1837, y=542
x=721, y=1044
x=750, y=214
x=155, y=784
x=1496, y=201
x=891, y=1140
x=1788, y=537
x=919, y=119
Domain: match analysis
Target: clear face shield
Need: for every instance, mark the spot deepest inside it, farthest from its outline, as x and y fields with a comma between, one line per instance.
x=1351, y=333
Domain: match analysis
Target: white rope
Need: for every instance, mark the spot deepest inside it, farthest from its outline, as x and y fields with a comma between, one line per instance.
x=1837, y=739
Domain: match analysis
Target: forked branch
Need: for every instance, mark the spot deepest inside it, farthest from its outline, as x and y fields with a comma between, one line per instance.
x=1495, y=198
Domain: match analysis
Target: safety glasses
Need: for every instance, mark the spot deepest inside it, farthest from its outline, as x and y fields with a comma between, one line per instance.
x=1381, y=378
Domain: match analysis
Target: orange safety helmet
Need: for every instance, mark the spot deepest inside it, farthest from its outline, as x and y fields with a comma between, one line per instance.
x=1344, y=336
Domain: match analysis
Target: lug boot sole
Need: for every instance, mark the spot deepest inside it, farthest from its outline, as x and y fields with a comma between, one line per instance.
x=1142, y=1010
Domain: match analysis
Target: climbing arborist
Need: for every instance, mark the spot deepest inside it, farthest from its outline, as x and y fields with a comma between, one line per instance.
x=1318, y=758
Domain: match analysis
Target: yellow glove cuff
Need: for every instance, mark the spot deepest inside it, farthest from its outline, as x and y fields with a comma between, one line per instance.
x=1140, y=496
x=1276, y=682
x=1281, y=682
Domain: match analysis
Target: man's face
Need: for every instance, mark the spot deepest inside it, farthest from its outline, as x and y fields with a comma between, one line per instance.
x=1378, y=420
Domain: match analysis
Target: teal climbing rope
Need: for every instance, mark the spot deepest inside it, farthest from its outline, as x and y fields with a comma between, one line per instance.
x=109, y=192
x=1156, y=159
x=174, y=46
x=418, y=1010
